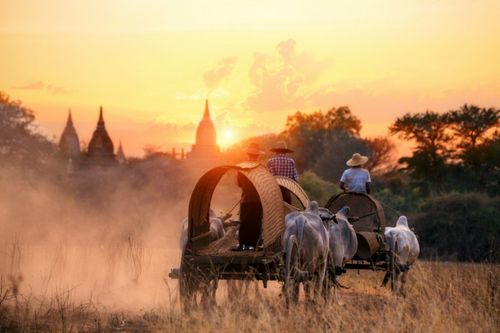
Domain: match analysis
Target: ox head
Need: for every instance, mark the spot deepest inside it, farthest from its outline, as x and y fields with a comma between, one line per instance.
x=326, y=215
x=344, y=211
x=402, y=221
x=313, y=207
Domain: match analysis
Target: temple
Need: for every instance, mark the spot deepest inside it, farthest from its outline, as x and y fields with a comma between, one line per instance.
x=69, y=144
x=205, y=153
x=101, y=149
x=120, y=155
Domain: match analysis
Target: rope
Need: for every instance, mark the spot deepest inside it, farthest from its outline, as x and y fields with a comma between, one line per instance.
x=391, y=208
x=228, y=214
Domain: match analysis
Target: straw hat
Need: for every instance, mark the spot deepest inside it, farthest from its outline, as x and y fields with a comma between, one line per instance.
x=281, y=147
x=253, y=149
x=357, y=160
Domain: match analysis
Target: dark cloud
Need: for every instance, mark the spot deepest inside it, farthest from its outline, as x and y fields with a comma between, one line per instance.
x=219, y=72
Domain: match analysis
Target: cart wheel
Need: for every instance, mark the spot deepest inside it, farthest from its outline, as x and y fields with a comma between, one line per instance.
x=291, y=285
x=195, y=288
x=187, y=286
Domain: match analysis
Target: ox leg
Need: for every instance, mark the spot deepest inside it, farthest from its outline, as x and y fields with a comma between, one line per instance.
x=321, y=278
x=403, y=282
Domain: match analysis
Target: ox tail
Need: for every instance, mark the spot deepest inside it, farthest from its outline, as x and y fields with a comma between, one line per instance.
x=288, y=253
x=301, y=222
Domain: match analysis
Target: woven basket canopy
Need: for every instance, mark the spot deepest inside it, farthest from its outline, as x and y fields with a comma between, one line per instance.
x=363, y=206
x=297, y=191
x=265, y=185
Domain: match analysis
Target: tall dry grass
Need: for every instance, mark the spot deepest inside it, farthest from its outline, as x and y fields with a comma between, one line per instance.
x=439, y=297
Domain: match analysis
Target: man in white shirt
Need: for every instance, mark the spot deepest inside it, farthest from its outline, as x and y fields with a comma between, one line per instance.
x=356, y=179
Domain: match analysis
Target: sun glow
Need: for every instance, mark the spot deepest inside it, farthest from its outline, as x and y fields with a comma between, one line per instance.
x=228, y=137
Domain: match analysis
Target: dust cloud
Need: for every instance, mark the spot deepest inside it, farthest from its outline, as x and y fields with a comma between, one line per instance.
x=106, y=236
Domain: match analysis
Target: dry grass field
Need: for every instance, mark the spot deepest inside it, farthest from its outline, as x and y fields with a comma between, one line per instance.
x=126, y=291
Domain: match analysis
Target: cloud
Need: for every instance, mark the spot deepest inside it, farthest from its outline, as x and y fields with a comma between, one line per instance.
x=38, y=85
x=282, y=80
x=55, y=90
x=41, y=86
x=219, y=72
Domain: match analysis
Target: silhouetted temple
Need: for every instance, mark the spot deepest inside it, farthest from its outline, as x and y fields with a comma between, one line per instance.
x=120, y=155
x=101, y=150
x=205, y=153
x=69, y=144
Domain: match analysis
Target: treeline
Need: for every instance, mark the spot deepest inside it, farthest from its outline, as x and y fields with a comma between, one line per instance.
x=448, y=186
x=129, y=197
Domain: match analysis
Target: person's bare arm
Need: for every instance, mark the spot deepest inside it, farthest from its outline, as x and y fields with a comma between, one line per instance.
x=368, y=187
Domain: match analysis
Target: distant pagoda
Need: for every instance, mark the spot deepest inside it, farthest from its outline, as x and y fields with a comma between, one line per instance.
x=120, y=155
x=100, y=149
x=205, y=153
x=69, y=144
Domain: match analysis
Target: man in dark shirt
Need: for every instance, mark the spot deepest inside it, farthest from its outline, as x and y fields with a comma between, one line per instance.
x=250, y=206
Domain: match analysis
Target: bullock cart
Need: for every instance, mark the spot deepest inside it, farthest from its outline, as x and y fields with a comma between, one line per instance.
x=204, y=263
x=367, y=217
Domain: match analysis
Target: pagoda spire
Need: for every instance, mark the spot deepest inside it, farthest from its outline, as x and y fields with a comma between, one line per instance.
x=101, y=149
x=206, y=114
x=70, y=119
x=69, y=144
x=101, y=117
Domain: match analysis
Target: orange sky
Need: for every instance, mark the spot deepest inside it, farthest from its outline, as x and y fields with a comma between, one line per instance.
x=151, y=64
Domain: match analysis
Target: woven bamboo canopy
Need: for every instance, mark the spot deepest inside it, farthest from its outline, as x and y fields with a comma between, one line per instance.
x=292, y=186
x=268, y=189
x=363, y=206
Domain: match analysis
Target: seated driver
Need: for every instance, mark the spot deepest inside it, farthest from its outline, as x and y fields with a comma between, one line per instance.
x=356, y=179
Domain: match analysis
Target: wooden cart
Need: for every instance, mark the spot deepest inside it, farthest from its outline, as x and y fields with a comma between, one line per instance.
x=367, y=217
x=204, y=263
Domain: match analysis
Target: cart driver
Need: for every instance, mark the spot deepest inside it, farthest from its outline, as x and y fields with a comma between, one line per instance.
x=282, y=165
x=356, y=179
x=250, y=206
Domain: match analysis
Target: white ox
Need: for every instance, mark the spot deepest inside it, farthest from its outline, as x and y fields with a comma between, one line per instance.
x=216, y=232
x=405, y=245
x=305, y=245
x=216, y=229
x=343, y=243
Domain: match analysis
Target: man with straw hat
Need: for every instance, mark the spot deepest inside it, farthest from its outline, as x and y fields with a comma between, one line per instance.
x=282, y=165
x=250, y=206
x=356, y=179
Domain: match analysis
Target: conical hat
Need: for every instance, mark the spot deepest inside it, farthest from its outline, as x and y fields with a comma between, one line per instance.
x=357, y=160
x=281, y=147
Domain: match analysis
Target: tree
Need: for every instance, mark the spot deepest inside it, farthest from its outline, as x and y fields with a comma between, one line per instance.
x=471, y=123
x=308, y=133
x=19, y=139
x=336, y=150
x=460, y=226
x=342, y=119
x=428, y=131
x=381, y=153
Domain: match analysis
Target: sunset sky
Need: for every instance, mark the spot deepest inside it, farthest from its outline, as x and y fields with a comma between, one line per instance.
x=151, y=64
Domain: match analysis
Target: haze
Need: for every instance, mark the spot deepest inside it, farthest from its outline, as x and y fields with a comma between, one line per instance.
x=152, y=64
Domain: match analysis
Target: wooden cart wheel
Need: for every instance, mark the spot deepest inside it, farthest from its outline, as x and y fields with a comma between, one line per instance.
x=186, y=286
x=291, y=285
x=196, y=288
